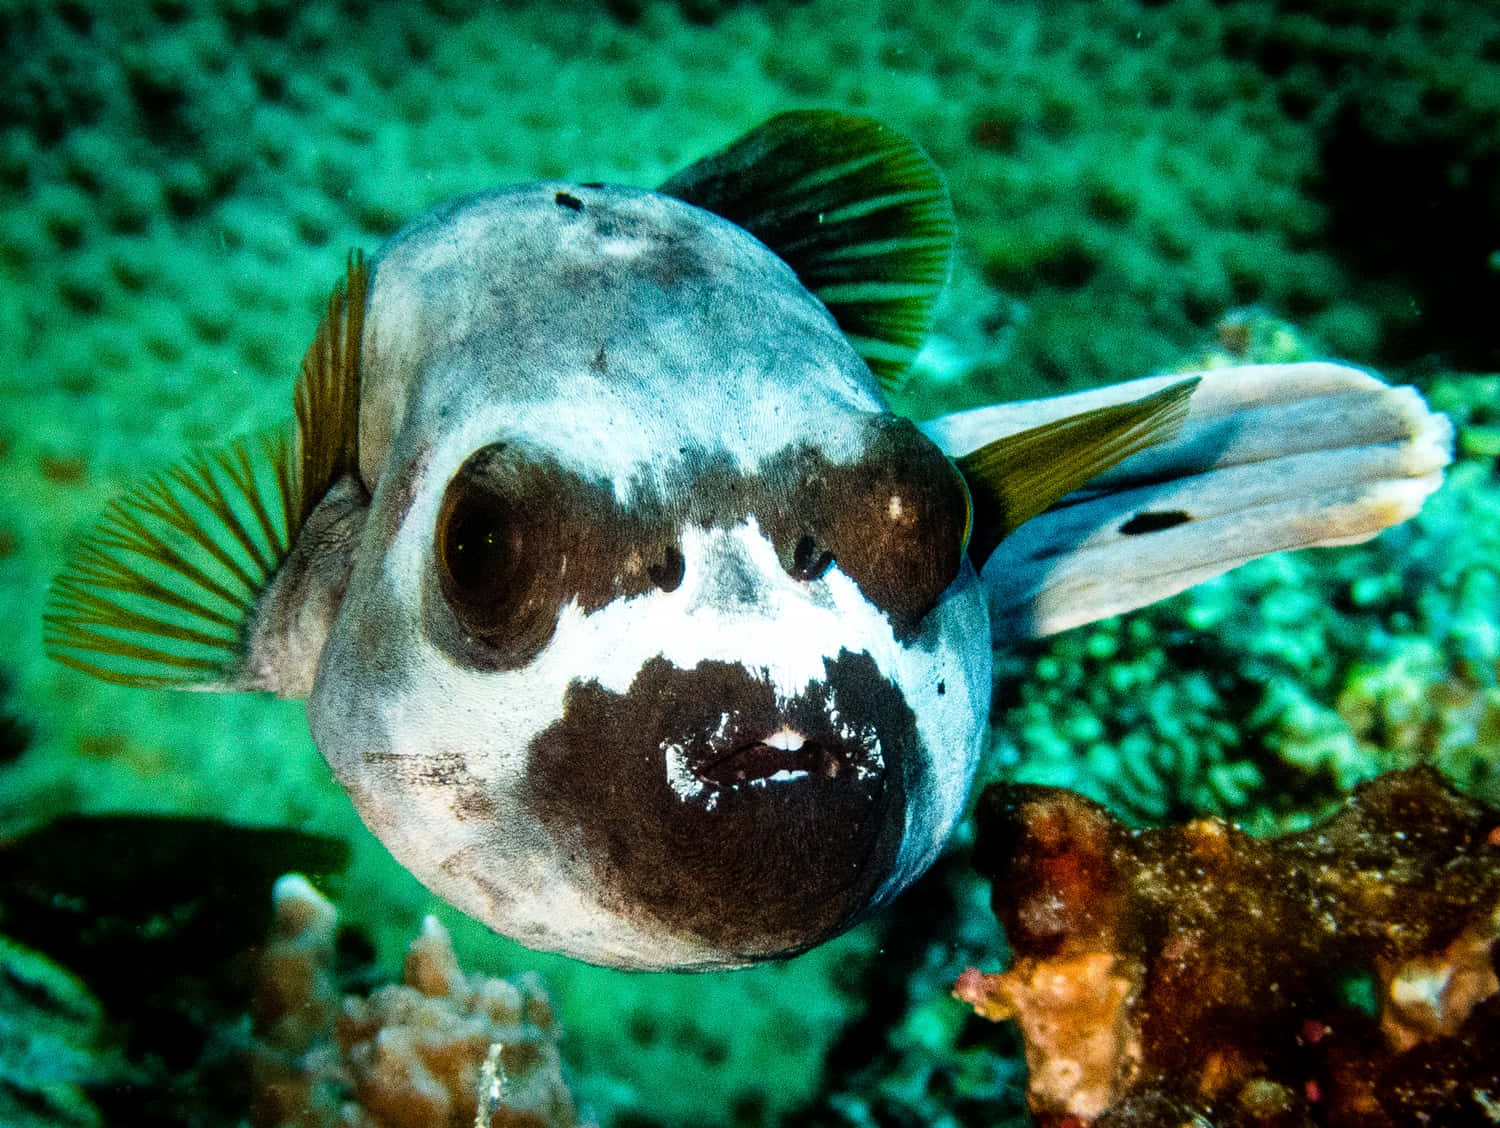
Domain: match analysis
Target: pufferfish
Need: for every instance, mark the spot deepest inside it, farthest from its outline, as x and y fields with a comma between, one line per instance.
x=631, y=618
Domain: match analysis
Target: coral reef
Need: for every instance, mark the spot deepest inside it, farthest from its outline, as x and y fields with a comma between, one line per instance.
x=912, y=1058
x=1196, y=972
x=410, y=1055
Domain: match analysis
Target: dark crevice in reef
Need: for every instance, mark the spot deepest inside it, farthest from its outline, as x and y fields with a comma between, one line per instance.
x=876, y=1073
x=1408, y=147
x=155, y=915
x=15, y=734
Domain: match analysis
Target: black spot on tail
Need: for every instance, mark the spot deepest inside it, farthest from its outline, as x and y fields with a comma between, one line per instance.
x=1154, y=522
x=565, y=200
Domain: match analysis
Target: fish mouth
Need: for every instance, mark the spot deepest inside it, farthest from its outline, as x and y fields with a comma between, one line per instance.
x=770, y=744
x=705, y=803
x=783, y=757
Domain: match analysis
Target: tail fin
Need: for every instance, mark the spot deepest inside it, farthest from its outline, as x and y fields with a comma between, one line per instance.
x=1271, y=457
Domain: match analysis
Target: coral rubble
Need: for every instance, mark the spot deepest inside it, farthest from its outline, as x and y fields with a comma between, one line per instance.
x=1196, y=972
x=410, y=1055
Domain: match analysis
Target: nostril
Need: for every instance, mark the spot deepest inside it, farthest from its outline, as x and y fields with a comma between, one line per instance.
x=667, y=573
x=809, y=562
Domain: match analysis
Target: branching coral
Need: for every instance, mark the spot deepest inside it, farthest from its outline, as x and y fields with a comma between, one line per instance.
x=1196, y=972
x=410, y=1055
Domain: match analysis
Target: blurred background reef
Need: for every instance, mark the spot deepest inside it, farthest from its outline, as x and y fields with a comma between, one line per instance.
x=1140, y=184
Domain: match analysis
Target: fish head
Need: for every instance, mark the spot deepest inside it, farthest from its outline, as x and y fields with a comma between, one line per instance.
x=661, y=647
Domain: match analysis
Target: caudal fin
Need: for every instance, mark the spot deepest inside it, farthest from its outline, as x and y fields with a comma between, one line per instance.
x=1271, y=457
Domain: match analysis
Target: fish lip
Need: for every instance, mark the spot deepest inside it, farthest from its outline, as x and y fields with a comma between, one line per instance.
x=753, y=869
x=748, y=745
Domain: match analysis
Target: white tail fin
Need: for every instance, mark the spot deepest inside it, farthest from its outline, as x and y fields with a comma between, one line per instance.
x=1271, y=457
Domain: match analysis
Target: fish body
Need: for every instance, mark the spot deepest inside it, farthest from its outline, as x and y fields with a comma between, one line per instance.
x=631, y=618
x=651, y=406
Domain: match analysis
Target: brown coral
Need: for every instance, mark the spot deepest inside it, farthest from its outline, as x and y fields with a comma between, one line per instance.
x=1196, y=972
x=410, y=1055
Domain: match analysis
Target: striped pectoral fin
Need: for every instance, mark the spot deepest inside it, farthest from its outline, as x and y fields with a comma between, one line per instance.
x=1270, y=458
x=161, y=592
x=221, y=572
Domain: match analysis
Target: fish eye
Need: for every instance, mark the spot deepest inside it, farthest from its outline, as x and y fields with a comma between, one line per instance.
x=897, y=521
x=478, y=545
x=496, y=545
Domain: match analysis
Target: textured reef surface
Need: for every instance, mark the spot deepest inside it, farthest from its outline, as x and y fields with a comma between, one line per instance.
x=1197, y=972
x=1139, y=185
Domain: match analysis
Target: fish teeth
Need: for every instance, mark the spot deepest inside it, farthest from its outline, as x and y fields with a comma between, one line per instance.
x=788, y=740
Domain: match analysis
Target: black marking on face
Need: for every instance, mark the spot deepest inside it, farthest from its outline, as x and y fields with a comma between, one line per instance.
x=893, y=520
x=516, y=539
x=755, y=848
x=567, y=200
x=1149, y=522
x=668, y=573
x=519, y=536
x=641, y=246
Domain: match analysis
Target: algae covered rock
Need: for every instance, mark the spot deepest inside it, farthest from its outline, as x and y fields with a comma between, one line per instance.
x=1342, y=975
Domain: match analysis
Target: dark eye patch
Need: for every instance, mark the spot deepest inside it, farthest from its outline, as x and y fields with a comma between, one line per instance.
x=517, y=538
x=893, y=520
x=519, y=535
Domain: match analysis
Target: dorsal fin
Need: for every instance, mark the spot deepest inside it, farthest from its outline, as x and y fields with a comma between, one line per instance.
x=1016, y=477
x=162, y=591
x=860, y=212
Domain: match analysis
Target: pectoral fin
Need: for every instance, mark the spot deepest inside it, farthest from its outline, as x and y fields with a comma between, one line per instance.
x=1017, y=476
x=1270, y=457
x=171, y=587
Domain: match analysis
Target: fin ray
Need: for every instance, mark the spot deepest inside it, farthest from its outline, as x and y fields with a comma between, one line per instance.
x=1016, y=477
x=848, y=204
x=326, y=399
x=163, y=591
x=159, y=593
